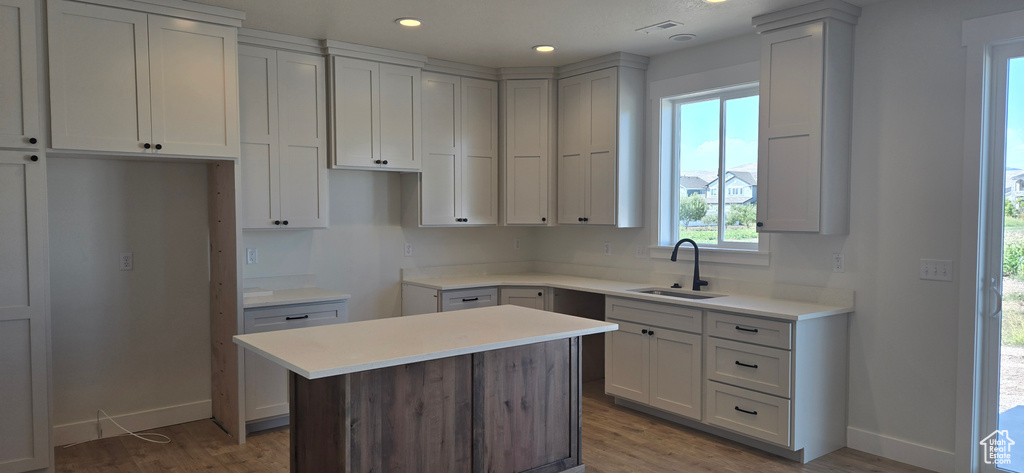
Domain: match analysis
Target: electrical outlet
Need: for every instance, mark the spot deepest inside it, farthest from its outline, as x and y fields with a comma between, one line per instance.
x=251, y=256
x=408, y=249
x=936, y=270
x=515, y=244
x=641, y=251
x=838, y=264
x=125, y=262
x=607, y=248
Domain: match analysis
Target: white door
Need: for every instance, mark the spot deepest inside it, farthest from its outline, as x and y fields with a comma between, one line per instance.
x=600, y=133
x=442, y=145
x=479, y=180
x=526, y=152
x=676, y=372
x=356, y=110
x=19, y=87
x=99, y=78
x=571, y=149
x=399, y=117
x=789, y=143
x=25, y=429
x=193, y=69
x=627, y=368
x=258, y=103
x=303, y=140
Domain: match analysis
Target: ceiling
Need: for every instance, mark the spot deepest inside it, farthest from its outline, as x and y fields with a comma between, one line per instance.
x=500, y=33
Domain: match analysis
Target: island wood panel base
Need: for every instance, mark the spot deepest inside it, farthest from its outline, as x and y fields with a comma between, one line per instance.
x=511, y=410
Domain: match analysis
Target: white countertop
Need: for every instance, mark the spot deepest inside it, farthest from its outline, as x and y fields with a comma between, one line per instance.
x=318, y=352
x=760, y=306
x=303, y=295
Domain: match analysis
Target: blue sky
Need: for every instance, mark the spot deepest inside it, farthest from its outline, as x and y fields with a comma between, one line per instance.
x=699, y=134
x=1015, y=116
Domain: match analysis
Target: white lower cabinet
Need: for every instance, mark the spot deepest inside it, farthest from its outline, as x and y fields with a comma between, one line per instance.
x=266, y=383
x=658, y=365
x=424, y=300
x=533, y=297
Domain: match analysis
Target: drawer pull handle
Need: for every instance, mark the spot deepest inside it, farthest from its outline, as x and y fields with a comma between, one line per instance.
x=471, y=299
x=753, y=413
x=298, y=317
x=744, y=364
x=744, y=329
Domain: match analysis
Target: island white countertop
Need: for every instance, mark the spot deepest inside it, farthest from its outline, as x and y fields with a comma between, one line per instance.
x=302, y=295
x=319, y=352
x=760, y=306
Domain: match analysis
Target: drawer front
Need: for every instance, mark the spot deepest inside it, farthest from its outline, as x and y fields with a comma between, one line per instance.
x=469, y=298
x=750, y=366
x=750, y=413
x=772, y=333
x=650, y=313
x=295, y=316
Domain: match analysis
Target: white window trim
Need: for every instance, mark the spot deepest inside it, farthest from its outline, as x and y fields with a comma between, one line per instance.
x=660, y=94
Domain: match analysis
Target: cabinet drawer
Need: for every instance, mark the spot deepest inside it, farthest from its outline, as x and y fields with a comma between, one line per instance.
x=295, y=316
x=772, y=333
x=469, y=298
x=650, y=313
x=748, y=412
x=749, y=366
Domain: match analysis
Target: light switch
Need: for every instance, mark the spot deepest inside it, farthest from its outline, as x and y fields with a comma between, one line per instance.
x=936, y=270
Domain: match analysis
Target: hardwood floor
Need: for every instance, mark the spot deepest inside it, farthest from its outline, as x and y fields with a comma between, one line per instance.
x=615, y=440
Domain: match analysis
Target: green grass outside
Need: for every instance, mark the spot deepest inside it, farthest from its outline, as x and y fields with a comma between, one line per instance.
x=709, y=234
x=1013, y=287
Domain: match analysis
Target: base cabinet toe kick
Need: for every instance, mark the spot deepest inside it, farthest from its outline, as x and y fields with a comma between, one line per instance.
x=777, y=385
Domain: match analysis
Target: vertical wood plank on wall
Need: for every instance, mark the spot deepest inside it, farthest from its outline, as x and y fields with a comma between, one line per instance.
x=224, y=299
x=364, y=422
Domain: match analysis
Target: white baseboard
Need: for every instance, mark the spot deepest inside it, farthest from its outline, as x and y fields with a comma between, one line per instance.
x=900, y=450
x=136, y=421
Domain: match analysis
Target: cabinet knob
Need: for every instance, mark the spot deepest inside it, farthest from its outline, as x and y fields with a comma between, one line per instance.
x=540, y=294
x=277, y=222
x=376, y=161
x=586, y=219
x=385, y=162
x=33, y=140
x=285, y=222
x=650, y=332
x=147, y=145
x=760, y=224
x=543, y=219
x=159, y=146
x=580, y=219
x=34, y=158
x=644, y=331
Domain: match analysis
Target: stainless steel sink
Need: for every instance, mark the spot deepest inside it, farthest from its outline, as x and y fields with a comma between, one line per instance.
x=682, y=294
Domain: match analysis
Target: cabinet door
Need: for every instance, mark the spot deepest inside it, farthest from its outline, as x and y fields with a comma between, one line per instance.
x=676, y=372
x=526, y=152
x=258, y=103
x=24, y=431
x=479, y=180
x=303, y=139
x=789, y=142
x=266, y=388
x=627, y=366
x=356, y=111
x=571, y=149
x=19, y=97
x=532, y=297
x=442, y=144
x=99, y=78
x=193, y=68
x=600, y=107
x=399, y=117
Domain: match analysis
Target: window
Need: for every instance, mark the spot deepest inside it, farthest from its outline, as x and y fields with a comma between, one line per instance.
x=714, y=158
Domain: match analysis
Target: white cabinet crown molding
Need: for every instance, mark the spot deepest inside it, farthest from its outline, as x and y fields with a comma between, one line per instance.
x=820, y=10
x=619, y=59
x=280, y=41
x=178, y=9
x=516, y=73
x=460, y=69
x=370, y=53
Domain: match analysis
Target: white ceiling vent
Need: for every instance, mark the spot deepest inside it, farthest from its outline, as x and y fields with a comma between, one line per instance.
x=663, y=26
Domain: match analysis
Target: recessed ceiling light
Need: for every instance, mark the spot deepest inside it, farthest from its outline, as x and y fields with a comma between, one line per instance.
x=408, y=22
x=682, y=37
x=543, y=48
x=714, y=1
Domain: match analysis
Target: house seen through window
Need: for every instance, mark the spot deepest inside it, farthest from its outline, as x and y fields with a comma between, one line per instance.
x=716, y=165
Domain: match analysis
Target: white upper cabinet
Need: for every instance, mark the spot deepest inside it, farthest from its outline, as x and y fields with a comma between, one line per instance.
x=804, y=122
x=284, y=139
x=459, y=182
x=527, y=151
x=19, y=86
x=600, y=148
x=127, y=81
x=376, y=111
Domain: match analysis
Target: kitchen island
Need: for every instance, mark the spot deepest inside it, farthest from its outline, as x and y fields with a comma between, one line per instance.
x=494, y=389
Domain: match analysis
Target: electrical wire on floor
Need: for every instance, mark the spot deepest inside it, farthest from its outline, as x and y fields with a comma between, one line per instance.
x=142, y=436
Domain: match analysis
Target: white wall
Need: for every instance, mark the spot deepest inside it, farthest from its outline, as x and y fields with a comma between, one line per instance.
x=127, y=341
x=363, y=250
x=908, y=123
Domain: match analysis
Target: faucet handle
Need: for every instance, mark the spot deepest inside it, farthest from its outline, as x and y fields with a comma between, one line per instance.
x=676, y=286
x=702, y=282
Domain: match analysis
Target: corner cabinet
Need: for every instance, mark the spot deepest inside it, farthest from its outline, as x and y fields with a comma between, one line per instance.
x=527, y=155
x=19, y=84
x=376, y=112
x=284, y=139
x=600, y=147
x=128, y=81
x=459, y=182
x=805, y=118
